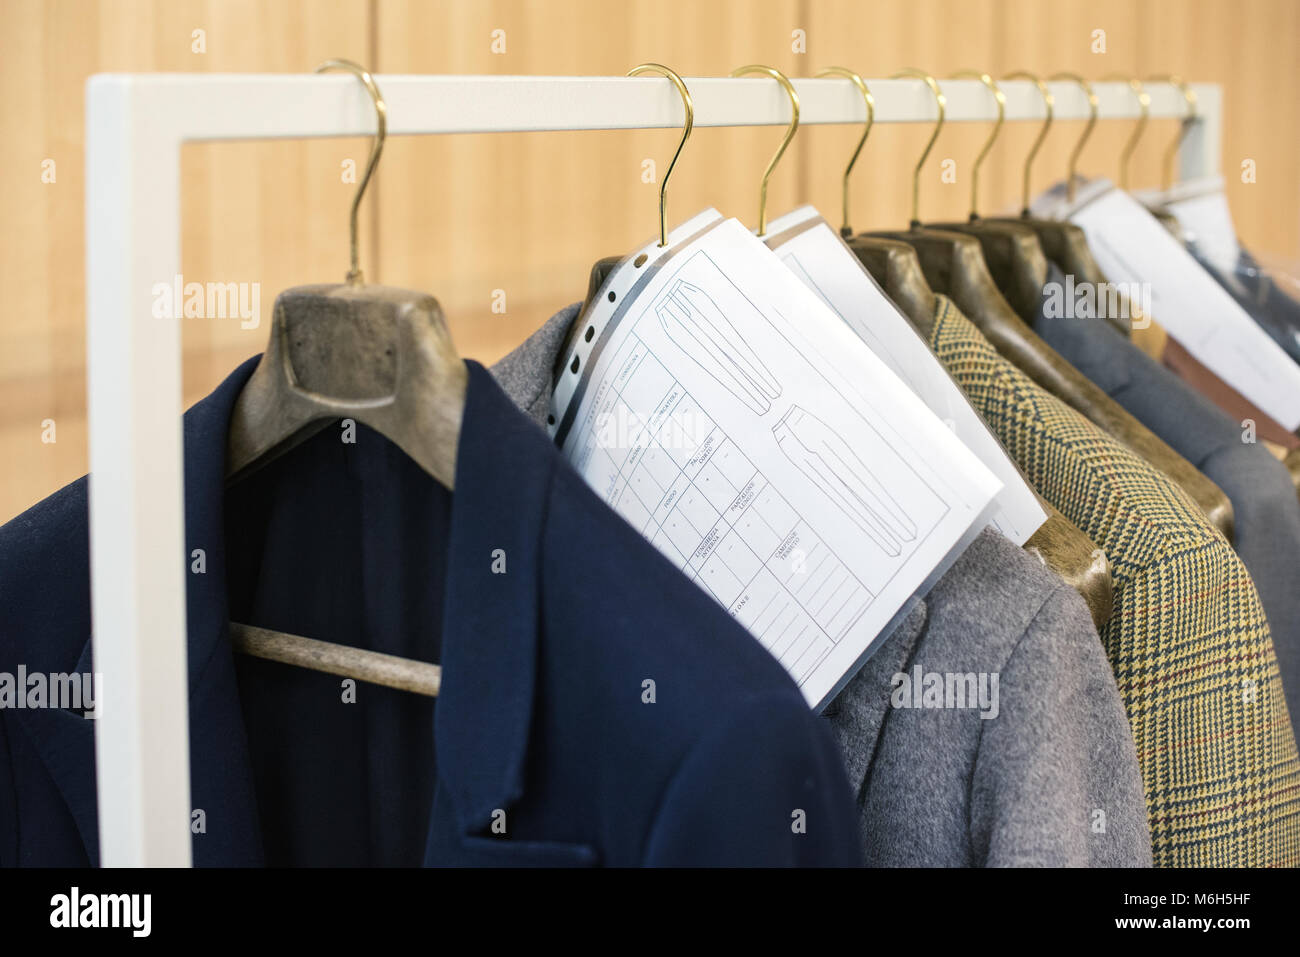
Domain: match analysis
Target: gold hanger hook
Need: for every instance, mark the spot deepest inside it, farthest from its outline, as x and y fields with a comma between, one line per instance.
x=870, y=100
x=1144, y=104
x=689, y=106
x=941, y=102
x=1087, y=130
x=1185, y=127
x=789, y=133
x=1001, y=100
x=355, y=278
x=1049, y=103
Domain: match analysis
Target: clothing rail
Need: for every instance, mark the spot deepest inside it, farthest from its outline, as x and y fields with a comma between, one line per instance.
x=135, y=125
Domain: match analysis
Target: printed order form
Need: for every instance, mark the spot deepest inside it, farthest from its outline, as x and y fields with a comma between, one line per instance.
x=737, y=423
x=815, y=253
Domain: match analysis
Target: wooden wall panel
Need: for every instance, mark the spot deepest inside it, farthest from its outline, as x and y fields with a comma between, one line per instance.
x=527, y=213
x=267, y=212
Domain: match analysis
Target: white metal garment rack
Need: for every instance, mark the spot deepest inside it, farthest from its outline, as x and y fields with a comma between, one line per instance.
x=135, y=125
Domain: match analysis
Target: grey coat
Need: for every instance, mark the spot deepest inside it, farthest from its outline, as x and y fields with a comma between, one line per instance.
x=1050, y=778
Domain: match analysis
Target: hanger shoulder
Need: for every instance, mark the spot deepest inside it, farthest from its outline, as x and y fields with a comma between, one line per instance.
x=1065, y=244
x=376, y=354
x=1015, y=260
x=894, y=265
x=1068, y=551
x=600, y=271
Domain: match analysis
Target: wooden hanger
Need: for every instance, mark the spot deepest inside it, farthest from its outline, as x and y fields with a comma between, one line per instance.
x=376, y=354
x=936, y=247
x=894, y=264
x=1014, y=258
x=1012, y=251
x=954, y=264
x=1067, y=550
x=1066, y=244
x=1061, y=241
x=380, y=355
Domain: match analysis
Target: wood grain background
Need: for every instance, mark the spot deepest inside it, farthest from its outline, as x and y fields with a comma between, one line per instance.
x=463, y=216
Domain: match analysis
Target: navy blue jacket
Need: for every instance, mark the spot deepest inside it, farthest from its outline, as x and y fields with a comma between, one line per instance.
x=544, y=730
x=1265, y=509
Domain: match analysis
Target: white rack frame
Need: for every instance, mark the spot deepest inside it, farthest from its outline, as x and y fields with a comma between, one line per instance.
x=135, y=125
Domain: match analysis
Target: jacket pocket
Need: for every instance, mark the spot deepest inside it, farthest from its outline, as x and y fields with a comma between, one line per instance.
x=503, y=852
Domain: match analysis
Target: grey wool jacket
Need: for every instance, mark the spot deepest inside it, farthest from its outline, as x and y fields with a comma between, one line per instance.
x=1049, y=778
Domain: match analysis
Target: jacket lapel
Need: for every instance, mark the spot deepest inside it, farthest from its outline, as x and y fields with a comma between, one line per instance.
x=221, y=777
x=66, y=743
x=857, y=715
x=492, y=616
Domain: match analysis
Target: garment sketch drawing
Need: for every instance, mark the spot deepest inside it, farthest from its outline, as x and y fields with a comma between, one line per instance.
x=826, y=460
x=697, y=326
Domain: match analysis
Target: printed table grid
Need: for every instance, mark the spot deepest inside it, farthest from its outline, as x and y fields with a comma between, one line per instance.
x=720, y=520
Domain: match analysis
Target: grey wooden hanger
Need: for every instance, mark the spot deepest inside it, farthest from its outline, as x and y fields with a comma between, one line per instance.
x=1060, y=241
x=380, y=355
x=959, y=260
x=954, y=264
x=1012, y=251
x=949, y=260
x=894, y=264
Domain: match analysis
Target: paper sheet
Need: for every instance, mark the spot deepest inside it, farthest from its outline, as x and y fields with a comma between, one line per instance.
x=1201, y=208
x=738, y=424
x=814, y=252
x=1131, y=246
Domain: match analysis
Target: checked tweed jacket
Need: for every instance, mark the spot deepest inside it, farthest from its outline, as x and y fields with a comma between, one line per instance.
x=1188, y=641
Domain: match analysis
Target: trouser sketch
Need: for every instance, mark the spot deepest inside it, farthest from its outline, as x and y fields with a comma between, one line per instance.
x=826, y=459
x=699, y=328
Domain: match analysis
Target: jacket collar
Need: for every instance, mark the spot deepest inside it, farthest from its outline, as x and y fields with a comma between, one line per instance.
x=527, y=372
x=490, y=626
